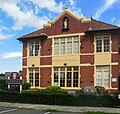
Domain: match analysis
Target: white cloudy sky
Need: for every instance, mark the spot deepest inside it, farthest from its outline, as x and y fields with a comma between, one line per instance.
x=19, y=17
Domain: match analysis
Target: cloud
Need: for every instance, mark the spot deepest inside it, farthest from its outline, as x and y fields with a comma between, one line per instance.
x=113, y=19
x=72, y=2
x=5, y=36
x=50, y=5
x=108, y=4
x=73, y=7
x=21, y=18
x=8, y=55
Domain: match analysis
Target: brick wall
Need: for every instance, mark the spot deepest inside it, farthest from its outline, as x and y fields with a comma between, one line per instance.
x=87, y=45
x=46, y=47
x=86, y=73
x=46, y=61
x=24, y=49
x=24, y=73
x=114, y=75
x=45, y=74
x=24, y=62
x=84, y=59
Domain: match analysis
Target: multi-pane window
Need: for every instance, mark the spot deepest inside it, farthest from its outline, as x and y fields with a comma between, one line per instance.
x=34, y=48
x=34, y=77
x=76, y=45
x=69, y=76
x=68, y=45
x=56, y=76
x=56, y=46
x=62, y=46
x=75, y=77
x=66, y=76
x=62, y=77
x=103, y=43
x=31, y=73
x=103, y=76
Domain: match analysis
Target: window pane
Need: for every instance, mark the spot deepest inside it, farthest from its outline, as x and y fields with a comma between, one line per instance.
x=106, y=68
x=62, y=48
x=55, y=69
x=31, y=48
x=69, y=45
x=98, y=45
x=36, y=50
x=56, y=48
x=37, y=77
x=76, y=47
x=106, y=36
x=75, y=68
x=99, y=68
x=99, y=37
x=31, y=76
x=106, y=78
x=75, y=79
x=62, y=79
x=106, y=45
x=69, y=79
x=69, y=68
x=55, y=78
x=98, y=78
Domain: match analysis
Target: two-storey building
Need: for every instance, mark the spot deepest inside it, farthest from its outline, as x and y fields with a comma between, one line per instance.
x=72, y=52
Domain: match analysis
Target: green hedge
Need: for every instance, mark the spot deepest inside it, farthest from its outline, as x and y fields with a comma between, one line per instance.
x=60, y=99
x=3, y=85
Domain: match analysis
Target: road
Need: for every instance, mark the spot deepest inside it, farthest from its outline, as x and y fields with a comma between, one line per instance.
x=25, y=111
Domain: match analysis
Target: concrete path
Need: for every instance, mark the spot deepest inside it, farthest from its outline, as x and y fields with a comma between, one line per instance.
x=60, y=108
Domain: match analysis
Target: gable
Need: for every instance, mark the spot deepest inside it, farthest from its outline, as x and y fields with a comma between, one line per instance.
x=69, y=23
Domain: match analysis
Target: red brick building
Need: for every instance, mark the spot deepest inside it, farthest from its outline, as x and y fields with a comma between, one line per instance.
x=72, y=52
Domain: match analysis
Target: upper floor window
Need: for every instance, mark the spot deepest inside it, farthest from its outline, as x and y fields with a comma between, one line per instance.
x=102, y=43
x=69, y=45
x=34, y=48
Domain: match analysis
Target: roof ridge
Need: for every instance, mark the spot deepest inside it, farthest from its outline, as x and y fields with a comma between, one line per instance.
x=105, y=23
x=31, y=33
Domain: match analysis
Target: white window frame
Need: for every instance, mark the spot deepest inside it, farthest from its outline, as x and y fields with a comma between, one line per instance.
x=102, y=71
x=34, y=71
x=34, y=44
x=58, y=42
x=103, y=46
x=63, y=71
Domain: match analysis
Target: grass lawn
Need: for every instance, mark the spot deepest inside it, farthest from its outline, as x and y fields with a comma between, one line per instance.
x=98, y=113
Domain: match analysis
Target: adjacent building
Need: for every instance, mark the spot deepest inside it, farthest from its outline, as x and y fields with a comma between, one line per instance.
x=72, y=52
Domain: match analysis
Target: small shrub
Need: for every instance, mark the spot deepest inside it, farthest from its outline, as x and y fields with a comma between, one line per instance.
x=93, y=90
x=54, y=89
x=26, y=86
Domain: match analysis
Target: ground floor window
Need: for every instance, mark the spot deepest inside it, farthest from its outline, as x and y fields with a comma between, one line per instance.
x=34, y=77
x=66, y=76
x=103, y=76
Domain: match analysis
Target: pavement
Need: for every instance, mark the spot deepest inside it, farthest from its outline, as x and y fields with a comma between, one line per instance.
x=59, y=108
x=26, y=111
